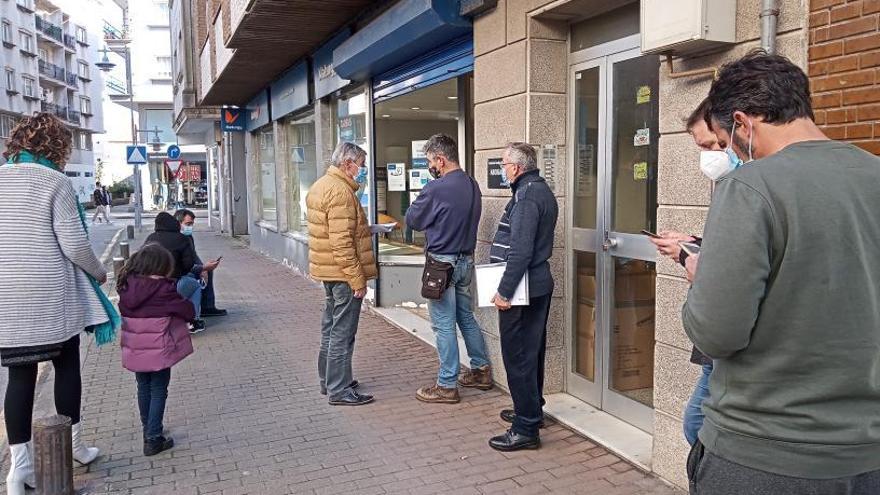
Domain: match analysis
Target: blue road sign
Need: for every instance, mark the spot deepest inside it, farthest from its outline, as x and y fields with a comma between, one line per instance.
x=136, y=154
x=173, y=152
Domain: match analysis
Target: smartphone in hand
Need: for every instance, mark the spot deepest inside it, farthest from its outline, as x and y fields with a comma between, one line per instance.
x=690, y=248
x=651, y=234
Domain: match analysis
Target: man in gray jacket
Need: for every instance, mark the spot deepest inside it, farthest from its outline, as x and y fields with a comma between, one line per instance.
x=786, y=297
x=524, y=240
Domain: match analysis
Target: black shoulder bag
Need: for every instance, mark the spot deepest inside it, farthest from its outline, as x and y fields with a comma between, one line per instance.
x=438, y=274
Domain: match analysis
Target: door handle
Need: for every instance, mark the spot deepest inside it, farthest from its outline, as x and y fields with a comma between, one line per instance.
x=610, y=243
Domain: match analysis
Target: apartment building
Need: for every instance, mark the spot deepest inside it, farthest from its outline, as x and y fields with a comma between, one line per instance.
x=601, y=88
x=48, y=56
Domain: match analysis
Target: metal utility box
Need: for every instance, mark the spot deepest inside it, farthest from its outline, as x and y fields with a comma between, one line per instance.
x=683, y=27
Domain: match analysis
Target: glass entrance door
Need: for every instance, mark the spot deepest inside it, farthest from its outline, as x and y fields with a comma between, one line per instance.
x=614, y=130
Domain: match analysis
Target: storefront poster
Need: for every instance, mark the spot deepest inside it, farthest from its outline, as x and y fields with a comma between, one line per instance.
x=381, y=189
x=418, y=148
x=420, y=163
x=642, y=137
x=495, y=179
x=397, y=177
x=640, y=171
x=418, y=179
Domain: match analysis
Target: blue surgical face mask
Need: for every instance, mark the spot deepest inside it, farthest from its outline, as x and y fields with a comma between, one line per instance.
x=186, y=230
x=735, y=161
x=361, y=177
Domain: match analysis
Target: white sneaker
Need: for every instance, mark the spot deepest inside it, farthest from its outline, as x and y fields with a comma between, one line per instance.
x=21, y=469
x=82, y=454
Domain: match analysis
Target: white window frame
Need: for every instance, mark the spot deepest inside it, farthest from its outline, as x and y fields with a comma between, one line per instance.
x=26, y=46
x=10, y=79
x=7, y=32
x=85, y=105
x=82, y=36
x=28, y=81
x=82, y=69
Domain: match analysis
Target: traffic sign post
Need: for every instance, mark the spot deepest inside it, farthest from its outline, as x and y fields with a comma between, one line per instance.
x=136, y=155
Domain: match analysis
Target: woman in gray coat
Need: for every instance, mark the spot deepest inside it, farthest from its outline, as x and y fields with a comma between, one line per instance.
x=46, y=295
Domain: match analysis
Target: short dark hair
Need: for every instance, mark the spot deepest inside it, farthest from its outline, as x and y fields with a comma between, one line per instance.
x=700, y=114
x=151, y=259
x=181, y=214
x=441, y=144
x=770, y=86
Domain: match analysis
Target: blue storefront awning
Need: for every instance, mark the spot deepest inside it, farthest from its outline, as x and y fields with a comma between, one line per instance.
x=447, y=62
x=404, y=32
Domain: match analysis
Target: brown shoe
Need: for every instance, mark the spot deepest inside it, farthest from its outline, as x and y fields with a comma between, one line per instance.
x=480, y=378
x=436, y=394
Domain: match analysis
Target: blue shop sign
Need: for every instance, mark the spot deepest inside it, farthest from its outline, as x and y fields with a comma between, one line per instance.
x=291, y=91
x=258, y=111
x=324, y=74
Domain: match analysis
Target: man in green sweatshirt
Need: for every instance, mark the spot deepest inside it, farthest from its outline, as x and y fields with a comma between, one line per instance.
x=786, y=297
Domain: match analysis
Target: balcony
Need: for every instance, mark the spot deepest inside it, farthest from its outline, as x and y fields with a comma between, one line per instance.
x=71, y=79
x=50, y=31
x=56, y=110
x=260, y=35
x=111, y=33
x=52, y=71
x=73, y=116
x=70, y=42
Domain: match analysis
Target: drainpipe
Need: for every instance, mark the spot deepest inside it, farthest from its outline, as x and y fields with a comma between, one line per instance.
x=769, y=16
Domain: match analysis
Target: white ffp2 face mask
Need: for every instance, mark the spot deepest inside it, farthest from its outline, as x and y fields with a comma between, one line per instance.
x=715, y=164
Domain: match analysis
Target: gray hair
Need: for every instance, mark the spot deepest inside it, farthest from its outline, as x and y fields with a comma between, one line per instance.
x=347, y=151
x=523, y=155
x=442, y=145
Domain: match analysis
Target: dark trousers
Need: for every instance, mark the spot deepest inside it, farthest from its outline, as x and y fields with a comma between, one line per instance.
x=19, y=402
x=152, y=393
x=709, y=474
x=208, y=301
x=342, y=311
x=523, y=346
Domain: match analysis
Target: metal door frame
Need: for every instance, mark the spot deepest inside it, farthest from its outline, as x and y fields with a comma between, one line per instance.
x=598, y=392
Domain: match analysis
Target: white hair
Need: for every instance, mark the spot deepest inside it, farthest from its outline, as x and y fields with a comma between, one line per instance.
x=347, y=151
x=523, y=155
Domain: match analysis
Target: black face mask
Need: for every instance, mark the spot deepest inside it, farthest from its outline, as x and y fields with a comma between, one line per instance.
x=434, y=172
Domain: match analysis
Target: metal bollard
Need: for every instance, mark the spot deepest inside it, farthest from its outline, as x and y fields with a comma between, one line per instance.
x=118, y=263
x=53, y=455
x=129, y=232
x=124, y=250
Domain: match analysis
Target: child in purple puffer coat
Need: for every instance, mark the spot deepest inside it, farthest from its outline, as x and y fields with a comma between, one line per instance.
x=155, y=335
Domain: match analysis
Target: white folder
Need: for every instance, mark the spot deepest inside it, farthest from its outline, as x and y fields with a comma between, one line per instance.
x=489, y=278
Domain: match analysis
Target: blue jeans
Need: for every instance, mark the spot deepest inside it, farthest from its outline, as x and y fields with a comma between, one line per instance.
x=342, y=311
x=152, y=393
x=455, y=306
x=191, y=289
x=693, y=412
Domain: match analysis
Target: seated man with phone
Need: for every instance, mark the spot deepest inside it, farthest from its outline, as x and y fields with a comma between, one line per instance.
x=205, y=271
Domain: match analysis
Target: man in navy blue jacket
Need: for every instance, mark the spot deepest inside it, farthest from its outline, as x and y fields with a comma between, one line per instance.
x=524, y=240
x=448, y=211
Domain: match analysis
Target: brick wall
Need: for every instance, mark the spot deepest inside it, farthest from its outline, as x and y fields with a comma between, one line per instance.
x=844, y=69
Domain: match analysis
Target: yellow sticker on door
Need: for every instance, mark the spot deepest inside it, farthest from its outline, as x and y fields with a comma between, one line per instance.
x=643, y=95
x=640, y=171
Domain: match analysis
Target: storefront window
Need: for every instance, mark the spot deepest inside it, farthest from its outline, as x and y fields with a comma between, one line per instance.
x=350, y=124
x=302, y=169
x=403, y=124
x=266, y=160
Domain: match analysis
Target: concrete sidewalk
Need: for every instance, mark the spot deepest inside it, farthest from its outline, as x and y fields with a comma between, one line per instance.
x=247, y=416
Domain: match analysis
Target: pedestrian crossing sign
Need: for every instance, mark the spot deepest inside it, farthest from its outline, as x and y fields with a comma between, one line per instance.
x=136, y=154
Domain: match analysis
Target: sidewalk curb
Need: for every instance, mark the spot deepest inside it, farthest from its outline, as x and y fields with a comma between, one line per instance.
x=44, y=378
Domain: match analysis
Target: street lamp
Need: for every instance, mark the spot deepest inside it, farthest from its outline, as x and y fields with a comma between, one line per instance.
x=105, y=65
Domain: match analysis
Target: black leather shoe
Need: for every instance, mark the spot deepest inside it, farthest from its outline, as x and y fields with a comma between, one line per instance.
x=350, y=398
x=508, y=415
x=157, y=445
x=214, y=312
x=353, y=385
x=511, y=441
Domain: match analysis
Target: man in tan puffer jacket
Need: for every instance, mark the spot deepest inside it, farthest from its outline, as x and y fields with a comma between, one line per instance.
x=341, y=256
